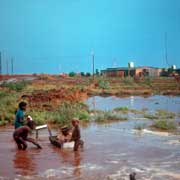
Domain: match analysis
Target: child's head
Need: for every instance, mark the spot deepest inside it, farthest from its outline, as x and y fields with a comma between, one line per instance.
x=23, y=105
x=30, y=122
x=75, y=121
x=65, y=130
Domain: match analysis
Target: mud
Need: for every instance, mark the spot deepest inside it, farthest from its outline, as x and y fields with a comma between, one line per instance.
x=52, y=98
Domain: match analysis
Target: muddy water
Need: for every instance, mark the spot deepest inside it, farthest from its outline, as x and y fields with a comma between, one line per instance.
x=111, y=152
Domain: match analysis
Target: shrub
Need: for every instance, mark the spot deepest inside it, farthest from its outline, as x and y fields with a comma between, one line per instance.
x=124, y=109
x=165, y=125
x=16, y=86
x=72, y=74
x=108, y=116
x=103, y=84
x=128, y=80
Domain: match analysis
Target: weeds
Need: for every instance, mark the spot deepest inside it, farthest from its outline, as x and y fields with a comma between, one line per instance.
x=165, y=125
x=108, y=116
x=15, y=86
x=103, y=84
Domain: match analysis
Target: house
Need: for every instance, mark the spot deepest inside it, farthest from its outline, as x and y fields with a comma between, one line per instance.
x=133, y=71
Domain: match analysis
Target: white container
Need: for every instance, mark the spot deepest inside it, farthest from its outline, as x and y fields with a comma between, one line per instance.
x=68, y=145
x=173, y=67
x=131, y=64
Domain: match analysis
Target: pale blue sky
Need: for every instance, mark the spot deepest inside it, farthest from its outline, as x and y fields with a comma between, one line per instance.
x=53, y=36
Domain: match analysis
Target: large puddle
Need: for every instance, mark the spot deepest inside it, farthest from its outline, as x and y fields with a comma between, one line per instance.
x=111, y=151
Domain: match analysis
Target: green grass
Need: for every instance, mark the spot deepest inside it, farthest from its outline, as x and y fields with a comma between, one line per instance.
x=160, y=114
x=15, y=86
x=123, y=109
x=108, y=116
x=164, y=124
x=8, y=105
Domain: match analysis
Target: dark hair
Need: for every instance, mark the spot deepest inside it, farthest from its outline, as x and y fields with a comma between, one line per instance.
x=31, y=124
x=22, y=104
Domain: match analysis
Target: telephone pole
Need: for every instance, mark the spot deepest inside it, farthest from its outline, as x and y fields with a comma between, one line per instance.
x=7, y=66
x=0, y=64
x=92, y=54
x=166, y=53
x=12, y=66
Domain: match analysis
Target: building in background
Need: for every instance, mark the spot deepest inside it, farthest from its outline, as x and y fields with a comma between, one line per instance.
x=132, y=71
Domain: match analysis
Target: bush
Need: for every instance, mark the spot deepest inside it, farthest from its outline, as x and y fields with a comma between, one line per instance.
x=108, y=116
x=72, y=74
x=16, y=86
x=124, y=109
x=103, y=84
x=165, y=125
x=128, y=80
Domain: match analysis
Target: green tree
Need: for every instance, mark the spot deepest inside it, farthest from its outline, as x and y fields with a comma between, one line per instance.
x=72, y=74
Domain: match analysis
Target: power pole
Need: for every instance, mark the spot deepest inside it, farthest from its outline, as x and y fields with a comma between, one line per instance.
x=7, y=66
x=166, y=54
x=92, y=54
x=0, y=64
x=12, y=66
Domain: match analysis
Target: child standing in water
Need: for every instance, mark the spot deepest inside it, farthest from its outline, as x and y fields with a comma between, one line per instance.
x=19, y=119
x=76, y=134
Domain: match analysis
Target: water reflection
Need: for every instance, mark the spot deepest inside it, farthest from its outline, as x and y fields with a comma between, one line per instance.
x=70, y=158
x=23, y=163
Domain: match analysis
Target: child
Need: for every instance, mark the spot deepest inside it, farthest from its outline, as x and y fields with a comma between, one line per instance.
x=20, y=135
x=64, y=134
x=76, y=134
x=19, y=120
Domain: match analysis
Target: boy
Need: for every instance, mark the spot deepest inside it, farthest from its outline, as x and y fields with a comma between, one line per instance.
x=76, y=134
x=19, y=120
x=20, y=135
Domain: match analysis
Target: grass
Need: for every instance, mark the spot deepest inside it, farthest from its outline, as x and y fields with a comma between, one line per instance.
x=15, y=86
x=160, y=114
x=62, y=115
x=8, y=105
x=164, y=124
x=108, y=116
x=123, y=109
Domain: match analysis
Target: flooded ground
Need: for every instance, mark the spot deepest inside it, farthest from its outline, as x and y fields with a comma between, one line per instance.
x=111, y=151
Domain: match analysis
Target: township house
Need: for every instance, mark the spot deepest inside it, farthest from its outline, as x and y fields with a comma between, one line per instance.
x=132, y=71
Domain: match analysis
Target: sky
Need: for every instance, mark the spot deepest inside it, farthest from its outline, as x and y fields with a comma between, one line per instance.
x=55, y=36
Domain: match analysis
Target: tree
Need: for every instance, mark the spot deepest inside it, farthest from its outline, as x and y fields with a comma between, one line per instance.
x=82, y=74
x=97, y=72
x=88, y=74
x=72, y=74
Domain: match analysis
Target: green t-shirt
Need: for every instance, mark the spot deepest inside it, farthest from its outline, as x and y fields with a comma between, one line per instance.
x=19, y=120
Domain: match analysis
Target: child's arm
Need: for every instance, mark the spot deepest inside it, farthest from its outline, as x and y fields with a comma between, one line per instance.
x=34, y=142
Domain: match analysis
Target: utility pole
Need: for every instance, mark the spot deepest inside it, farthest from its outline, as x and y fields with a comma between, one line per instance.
x=0, y=64
x=7, y=66
x=12, y=66
x=92, y=54
x=166, y=54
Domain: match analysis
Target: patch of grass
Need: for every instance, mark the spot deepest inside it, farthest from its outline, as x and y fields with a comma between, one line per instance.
x=8, y=104
x=128, y=80
x=165, y=124
x=15, y=86
x=103, y=84
x=165, y=114
x=108, y=116
x=160, y=114
x=123, y=109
